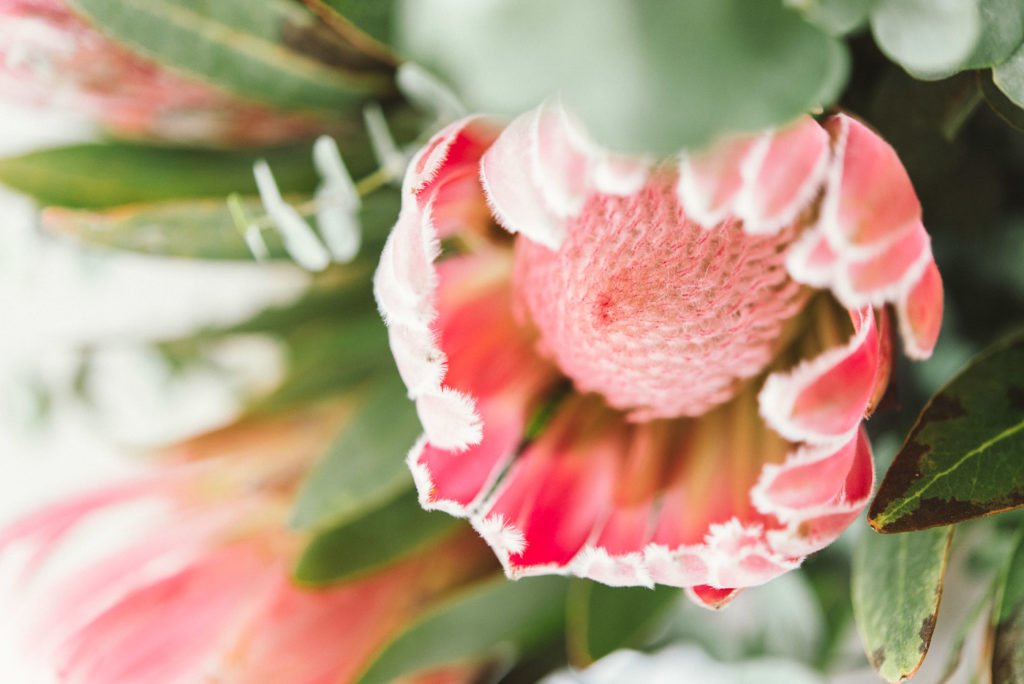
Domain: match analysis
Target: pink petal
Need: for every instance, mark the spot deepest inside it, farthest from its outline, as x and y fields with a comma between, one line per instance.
x=405, y=281
x=826, y=397
x=815, y=527
x=920, y=314
x=711, y=180
x=711, y=597
x=811, y=260
x=809, y=478
x=791, y=168
x=884, y=277
x=869, y=197
x=553, y=497
x=524, y=192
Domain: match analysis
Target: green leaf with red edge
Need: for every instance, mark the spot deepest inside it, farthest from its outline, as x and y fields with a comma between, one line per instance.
x=1008, y=644
x=962, y=458
x=366, y=23
x=272, y=51
x=897, y=585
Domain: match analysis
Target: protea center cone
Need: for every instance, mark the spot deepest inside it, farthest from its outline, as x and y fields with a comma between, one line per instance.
x=657, y=372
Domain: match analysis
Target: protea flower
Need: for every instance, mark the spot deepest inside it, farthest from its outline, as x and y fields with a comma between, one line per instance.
x=662, y=377
x=194, y=583
x=49, y=55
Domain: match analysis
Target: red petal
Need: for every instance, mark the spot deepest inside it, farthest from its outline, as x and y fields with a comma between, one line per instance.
x=920, y=314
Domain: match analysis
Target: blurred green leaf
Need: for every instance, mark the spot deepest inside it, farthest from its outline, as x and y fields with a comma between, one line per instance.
x=1009, y=77
x=897, y=584
x=273, y=51
x=365, y=466
x=375, y=18
x=837, y=17
x=1007, y=110
x=646, y=75
x=201, y=228
x=104, y=175
x=1008, y=645
x=962, y=458
x=933, y=39
x=379, y=537
x=601, y=619
x=493, y=619
x=196, y=229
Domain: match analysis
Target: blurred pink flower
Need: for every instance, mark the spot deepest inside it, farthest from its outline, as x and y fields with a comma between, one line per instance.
x=193, y=582
x=722, y=320
x=49, y=55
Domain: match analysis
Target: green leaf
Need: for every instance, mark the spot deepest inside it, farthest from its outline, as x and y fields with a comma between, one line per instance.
x=378, y=538
x=1008, y=649
x=961, y=460
x=646, y=75
x=273, y=51
x=837, y=17
x=933, y=39
x=1009, y=77
x=897, y=585
x=202, y=228
x=104, y=175
x=1005, y=108
x=365, y=466
x=494, y=619
x=601, y=619
x=374, y=18
x=196, y=229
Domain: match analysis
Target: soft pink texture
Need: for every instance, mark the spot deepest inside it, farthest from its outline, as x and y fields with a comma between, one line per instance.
x=663, y=298
x=659, y=316
x=48, y=55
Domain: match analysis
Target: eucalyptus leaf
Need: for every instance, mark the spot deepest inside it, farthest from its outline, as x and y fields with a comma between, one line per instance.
x=962, y=458
x=645, y=75
x=365, y=466
x=103, y=175
x=379, y=537
x=933, y=39
x=493, y=619
x=273, y=51
x=837, y=17
x=1008, y=645
x=601, y=619
x=897, y=585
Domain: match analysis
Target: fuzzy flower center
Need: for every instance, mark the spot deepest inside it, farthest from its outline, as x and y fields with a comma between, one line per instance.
x=658, y=315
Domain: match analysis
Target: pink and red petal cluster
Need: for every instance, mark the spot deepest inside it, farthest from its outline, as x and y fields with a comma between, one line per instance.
x=192, y=580
x=662, y=377
x=49, y=55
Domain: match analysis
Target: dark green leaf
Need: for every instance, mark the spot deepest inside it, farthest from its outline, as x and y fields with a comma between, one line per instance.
x=99, y=176
x=365, y=466
x=273, y=51
x=496, y=618
x=897, y=585
x=379, y=537
x=601, y=619
x=1008, y=651
x=962, y=458
x=646, y=75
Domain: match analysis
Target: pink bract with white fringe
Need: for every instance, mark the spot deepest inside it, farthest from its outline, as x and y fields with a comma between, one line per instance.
x=662, y=377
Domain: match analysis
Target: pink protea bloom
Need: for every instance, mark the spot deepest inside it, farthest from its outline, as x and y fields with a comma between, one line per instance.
x=49, y=55
x=193, y=584
x=721, y=319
